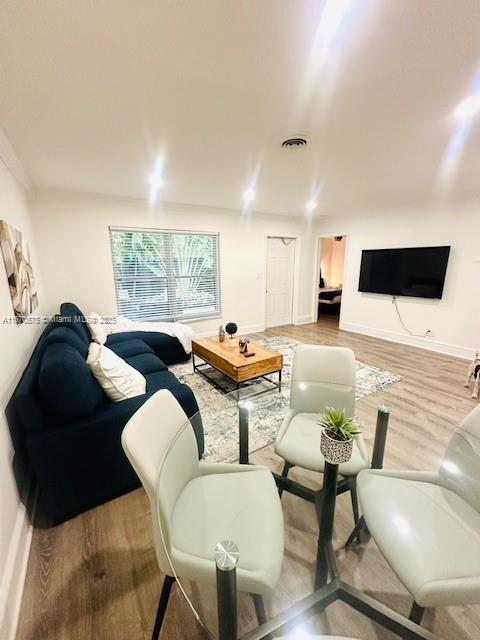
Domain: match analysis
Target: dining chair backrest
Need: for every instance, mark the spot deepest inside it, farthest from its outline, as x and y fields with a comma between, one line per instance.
x=323, y=377
x=460, y=467
x=160, y=444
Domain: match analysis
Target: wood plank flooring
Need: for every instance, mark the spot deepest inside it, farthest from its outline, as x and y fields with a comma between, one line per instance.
x=95, y=577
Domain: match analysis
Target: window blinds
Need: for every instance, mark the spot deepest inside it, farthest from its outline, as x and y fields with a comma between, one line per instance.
x=165, y=275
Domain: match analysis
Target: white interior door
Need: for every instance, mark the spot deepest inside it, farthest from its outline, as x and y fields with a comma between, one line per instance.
x=280, y=269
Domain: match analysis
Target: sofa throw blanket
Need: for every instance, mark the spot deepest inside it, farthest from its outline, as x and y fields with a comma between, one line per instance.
x=182, y=332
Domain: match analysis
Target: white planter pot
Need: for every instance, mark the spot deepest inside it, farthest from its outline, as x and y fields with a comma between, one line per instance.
x=335, y=451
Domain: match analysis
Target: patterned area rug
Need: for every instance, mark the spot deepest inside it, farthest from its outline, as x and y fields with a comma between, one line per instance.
x=219, y=411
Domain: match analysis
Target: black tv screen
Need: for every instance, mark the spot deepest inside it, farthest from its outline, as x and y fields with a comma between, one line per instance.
x=417, y=272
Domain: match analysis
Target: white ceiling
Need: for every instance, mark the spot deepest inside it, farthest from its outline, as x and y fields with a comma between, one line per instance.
x=93, y=92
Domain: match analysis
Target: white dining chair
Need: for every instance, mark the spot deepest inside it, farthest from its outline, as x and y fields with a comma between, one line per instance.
x=322, y=377
x=195, y=505
x=427, y=524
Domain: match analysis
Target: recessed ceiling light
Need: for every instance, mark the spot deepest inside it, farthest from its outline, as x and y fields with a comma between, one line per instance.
x=249, y=195
x=468, y=108
x=334, y=16
x=156, y=181
x=311, y=206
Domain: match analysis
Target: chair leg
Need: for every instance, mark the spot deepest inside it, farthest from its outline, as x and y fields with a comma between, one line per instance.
x=353, y=494
x=259, y=608
x=416, y=613
x=286, y=468
x=162, y=606
x=355, y=535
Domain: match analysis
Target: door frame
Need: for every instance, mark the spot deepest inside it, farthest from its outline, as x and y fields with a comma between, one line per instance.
x=316, y=276
x=296, y=264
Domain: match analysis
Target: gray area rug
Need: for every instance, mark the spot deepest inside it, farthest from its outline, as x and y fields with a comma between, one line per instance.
x=219, y=411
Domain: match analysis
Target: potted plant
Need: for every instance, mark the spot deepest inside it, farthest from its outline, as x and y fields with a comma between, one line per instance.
x=231, y=329
x=338, y=434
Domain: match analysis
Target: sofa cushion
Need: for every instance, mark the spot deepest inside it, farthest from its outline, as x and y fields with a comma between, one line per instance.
x=66, y=335
x=130, y=348
x=160, y=380
x=66, y=382
x=146, y=363
x=71, y=315
x=83, y=465
x=27, y=410
x=167, y=348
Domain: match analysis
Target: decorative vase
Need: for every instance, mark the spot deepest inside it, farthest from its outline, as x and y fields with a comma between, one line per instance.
x=221, y=333
x=335, y=451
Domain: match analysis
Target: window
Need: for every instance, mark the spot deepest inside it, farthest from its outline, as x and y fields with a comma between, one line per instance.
x=165, y=275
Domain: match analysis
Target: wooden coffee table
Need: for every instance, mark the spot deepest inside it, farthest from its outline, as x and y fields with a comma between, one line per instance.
x=226, y=357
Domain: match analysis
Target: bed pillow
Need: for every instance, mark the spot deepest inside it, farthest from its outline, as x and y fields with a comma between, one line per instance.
x=116, y=377
x=97, y=328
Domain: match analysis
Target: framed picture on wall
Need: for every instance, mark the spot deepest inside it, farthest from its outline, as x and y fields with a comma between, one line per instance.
x=18, y=266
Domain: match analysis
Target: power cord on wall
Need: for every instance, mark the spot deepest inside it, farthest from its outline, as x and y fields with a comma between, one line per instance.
x=416, y=335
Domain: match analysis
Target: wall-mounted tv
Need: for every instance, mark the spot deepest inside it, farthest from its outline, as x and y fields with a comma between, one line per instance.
x=418, y=272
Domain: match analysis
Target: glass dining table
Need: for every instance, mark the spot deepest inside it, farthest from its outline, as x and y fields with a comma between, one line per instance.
x=243, y=430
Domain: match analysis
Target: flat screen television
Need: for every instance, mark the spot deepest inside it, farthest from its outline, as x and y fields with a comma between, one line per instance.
x=418, y=272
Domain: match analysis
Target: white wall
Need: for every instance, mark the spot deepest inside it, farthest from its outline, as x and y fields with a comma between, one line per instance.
x=71, y=231
x=454, y=320
x=16, y=345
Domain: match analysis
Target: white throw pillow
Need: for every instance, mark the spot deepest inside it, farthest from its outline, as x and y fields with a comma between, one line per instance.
x=116, y=377
x=97, y=328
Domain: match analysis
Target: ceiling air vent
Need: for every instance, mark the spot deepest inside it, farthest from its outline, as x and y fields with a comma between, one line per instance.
x=294, y=143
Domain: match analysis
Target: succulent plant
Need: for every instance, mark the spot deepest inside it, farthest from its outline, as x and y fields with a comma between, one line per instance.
x=231, y=328
x=338, y=426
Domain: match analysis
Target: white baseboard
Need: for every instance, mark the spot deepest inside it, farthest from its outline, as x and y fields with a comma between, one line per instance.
x=242, y=330
x=304, y=319
x=11, y=588
x=424, y=343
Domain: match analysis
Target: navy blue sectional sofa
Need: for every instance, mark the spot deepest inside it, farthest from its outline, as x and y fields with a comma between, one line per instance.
x=67, y=431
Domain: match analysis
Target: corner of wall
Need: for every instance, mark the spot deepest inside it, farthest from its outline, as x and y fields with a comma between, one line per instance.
x=15, y=525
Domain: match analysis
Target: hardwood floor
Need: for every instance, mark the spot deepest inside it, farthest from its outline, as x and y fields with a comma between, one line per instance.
x=95, y=577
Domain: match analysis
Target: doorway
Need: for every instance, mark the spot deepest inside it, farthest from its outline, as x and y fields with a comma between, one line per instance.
x=279, y=280
x=332, y=251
